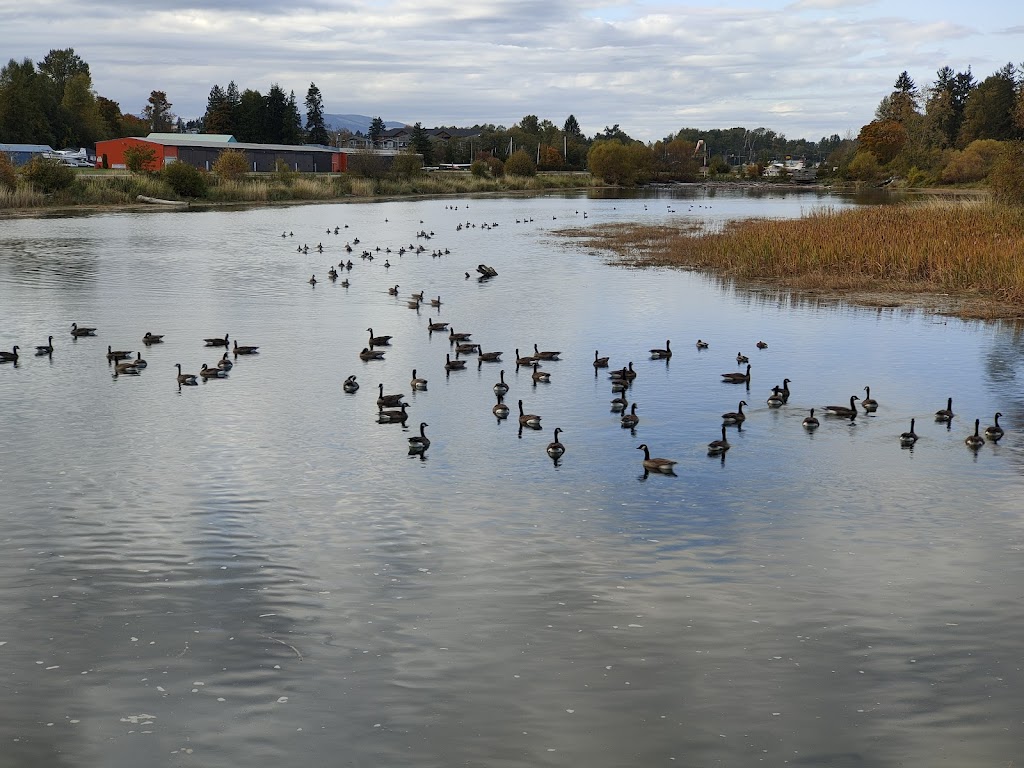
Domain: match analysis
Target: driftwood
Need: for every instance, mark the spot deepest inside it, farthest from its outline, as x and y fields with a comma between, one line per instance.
x=486, y=271
x=158, y=201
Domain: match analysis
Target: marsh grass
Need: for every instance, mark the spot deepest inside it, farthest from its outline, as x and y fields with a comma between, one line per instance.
x=972, y=249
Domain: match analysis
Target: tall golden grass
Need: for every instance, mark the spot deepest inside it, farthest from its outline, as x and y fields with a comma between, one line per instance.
x=966, y=248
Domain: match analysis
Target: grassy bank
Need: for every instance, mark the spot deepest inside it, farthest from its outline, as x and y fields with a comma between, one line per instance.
x=99, y=189
x=973, y=250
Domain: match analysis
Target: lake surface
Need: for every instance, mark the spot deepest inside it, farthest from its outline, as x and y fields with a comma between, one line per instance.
x=254, y=571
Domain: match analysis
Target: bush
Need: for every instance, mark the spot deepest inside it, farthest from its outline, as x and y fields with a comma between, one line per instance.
x=974, y=163
x=496, y=167
x=285, y=175
x=48, y=175
x=864, y=167
x=520, y=164
x=406, y=165
x=8, y=174
x=185, y=180
x=231, y=164
x=1007, y=177
x=478, y=169
x=139, y=158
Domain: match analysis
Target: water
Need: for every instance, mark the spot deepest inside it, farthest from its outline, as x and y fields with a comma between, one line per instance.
x=254, y=569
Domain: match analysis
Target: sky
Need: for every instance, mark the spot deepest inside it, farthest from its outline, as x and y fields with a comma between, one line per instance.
x=805, y=69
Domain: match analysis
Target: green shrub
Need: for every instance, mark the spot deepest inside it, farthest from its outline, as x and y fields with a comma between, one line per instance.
x=406, y=165
x=478, y=169
x=231, y=164
x=8, y=174
x=496, y=167
x=186, y=180
x=139, y=158
x=47, y=175
x=1007, y=177
x=520, y=164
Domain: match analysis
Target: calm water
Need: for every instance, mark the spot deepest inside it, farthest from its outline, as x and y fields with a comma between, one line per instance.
x=254, y=571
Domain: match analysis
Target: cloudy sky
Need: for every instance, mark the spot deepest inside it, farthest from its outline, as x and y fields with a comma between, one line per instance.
x=807, y=69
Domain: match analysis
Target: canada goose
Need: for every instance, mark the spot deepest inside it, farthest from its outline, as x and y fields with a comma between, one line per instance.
x=488, y=357
x=117, y=354
x=737, y=416
x=656, y=464
x=909, y=438
x=371, y=354
x=211, y=373
x=762, y=345
x=45, y=349
x=185, y=378
x=453, y=336
x=548, y=355
x=624, y=373
x=127, y=367
x=500, y=409
x=501, y=388
x=975, y=441
x=138, y=362
x=436, y=326
x=741, y=358
x=10, y=357
x=350, y=384
x=737, y=378
x=784, y=390
x=419, y=443
x=379, y=341
x=528, y=419
x=555, y=448
x=393, y=291
x=243, y=350
x=620, y=385
x=600, y=362
x=388, y=400
x=435, y=302
x=153, y=338
x=454, y=365
x=387, y=264
x=947, y=413
x=775, y=399
x=842, y=410
x=539, y=376
x=217, y=342
x=526, y=360
x=332, y=274
x=224, y=363
x=467, y=348
x=413, y=304
x=718, y=446
x=76, y=331
x=869, y=404
x=312, y=280
x=701, y=344
x=630, y=420
x=392, y=416
x=417, y=383
x=620, y=403
x=811, y=422
x=995, y=432
x=662, y=354
x=417, y=296
x=345, y=283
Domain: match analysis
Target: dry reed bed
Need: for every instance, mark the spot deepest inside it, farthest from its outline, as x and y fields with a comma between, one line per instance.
x=971, y=249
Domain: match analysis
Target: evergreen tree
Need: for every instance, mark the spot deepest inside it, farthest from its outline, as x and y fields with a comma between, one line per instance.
x=218, y=112
x=377, y=129
x=60, y=66
x=158, y=112
x=572, y=128
x=250, y=117
x=422, y=145
x=316, y=130
x=25, y=101
x=988, y=113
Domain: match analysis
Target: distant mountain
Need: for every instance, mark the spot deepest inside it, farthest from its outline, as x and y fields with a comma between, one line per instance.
x=356, y=123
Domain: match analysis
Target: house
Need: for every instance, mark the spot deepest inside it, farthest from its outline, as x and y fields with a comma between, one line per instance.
x=22, y=153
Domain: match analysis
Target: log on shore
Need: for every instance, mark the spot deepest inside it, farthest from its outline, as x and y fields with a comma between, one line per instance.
x=158, y=201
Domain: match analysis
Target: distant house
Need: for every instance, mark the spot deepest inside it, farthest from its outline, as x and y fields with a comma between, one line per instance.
x=796, y=170
x=399, y=139
x=22, y=153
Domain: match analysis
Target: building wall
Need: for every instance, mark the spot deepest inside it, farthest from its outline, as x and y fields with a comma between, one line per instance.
x=110, y=153
x=260, y=160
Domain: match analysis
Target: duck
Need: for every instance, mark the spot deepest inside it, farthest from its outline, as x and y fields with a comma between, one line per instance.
x=379, y=341
x=555, y=448
x=76, y=331
x=547, y=355
x=741, y=358
x=945, y=414
x=737, y=416
x=975, y=441
x=630, y=420
x=419, y=443
x=501, y=388
x=393, y=291
x=45, y=349
x=995, y=432
x=701, y=344
x=417, y=383
x=431, y=327
x=454, y=365
x=138, y=362
x=600, y=362
x=656, y=464
x=528, y=360
x=624, y=373
x=662, y=354
x=211, y=373
x=224, y=363
x=762, y=345
x=528, y=419
x=500, y=409
x=117, y=354
x=185, y=378
x=811, y=421
x=350, y=384
x=488, y=357
x=869, y=404
x=392, y=416
x=453, y=336
x=540, y=376
x=217, y=342
x=909, y=438
x=716, y=447
x=842, y=410
x=245, y=350
x=152, y=338
x=371, y=354
x=737, y=378
x=775, y=399
x=388, y=400
x=10, y=357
